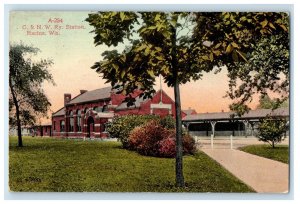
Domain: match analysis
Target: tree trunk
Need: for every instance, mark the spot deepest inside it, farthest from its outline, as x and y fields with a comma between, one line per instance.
x=20, y=142
x=273, y=143
x=179, y=145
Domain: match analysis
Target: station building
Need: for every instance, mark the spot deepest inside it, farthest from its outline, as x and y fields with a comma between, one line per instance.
x=86, y=114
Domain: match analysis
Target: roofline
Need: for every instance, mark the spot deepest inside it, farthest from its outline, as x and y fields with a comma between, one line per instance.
x=84, y=102
x=224, y=119
x=234, y=118
x=57, y=111
x=86, y=92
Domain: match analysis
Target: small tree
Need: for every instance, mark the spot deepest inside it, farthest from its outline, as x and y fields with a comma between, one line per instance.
x=27, y=100
x=271, y=130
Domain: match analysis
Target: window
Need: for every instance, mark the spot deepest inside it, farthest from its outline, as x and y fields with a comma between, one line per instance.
x=78, y=120
x=71, y=126
x=103, y=127
x=54, y=124
x=105, y=108
x=98, y=109
x=62, y=125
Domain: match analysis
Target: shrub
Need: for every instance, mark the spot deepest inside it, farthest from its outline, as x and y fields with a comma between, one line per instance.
x=121, y=126
x=189, y=146
x=152, y=139
x=168, y=122
x=167, y=147
x=145, y=139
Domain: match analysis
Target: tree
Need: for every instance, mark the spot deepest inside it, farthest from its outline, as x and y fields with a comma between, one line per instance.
x=271, y=129
x=155, y=47
x=27, y=100
x=179, y=46
x=266, y=102
x=254, y=46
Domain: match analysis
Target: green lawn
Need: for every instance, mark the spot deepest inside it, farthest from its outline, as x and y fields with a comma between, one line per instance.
x=60, y=165
x=279, y=153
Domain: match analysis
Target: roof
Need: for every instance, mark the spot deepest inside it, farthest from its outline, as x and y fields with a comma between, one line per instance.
x=46, y=124
x=189, y=111
x=137, y=103
x=252, y=114
x=94, y=95
x=59, y=112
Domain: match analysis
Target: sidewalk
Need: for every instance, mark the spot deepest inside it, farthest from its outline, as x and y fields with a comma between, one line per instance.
x=263, y=175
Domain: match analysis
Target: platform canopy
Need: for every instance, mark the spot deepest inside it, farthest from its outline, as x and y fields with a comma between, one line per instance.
x=226, y=116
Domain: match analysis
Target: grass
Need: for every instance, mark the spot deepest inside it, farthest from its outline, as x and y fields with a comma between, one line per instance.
x=60, y=165
x=279, y=153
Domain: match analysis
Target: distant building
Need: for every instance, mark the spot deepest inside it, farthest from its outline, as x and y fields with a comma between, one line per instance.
x=87, y=114
x=42, y=130
x=25, y=131
x=190, y=111
x=36, y=130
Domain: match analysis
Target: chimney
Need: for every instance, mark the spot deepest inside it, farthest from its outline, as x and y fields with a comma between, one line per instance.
x=83, y=91
x=67, y=98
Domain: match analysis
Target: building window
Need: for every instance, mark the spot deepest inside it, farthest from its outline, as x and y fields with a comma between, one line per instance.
x=104, y=126
x=78, y=120
x=71, y=126
x=98, y=109
x=54, y=124
x=62, y=125
x=105, y=108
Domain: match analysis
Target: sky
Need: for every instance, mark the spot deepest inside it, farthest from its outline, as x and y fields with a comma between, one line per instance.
x=73, y=53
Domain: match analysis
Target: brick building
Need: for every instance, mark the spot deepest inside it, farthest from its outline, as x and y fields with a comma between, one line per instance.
x=87, y=114
x=42, y=130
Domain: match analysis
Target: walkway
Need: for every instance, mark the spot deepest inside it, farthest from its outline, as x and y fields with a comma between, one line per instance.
x=263, y=175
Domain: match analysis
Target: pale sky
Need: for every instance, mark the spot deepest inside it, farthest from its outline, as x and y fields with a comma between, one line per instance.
x=73, y=53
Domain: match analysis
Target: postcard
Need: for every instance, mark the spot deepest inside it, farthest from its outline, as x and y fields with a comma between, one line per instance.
x=123, y=101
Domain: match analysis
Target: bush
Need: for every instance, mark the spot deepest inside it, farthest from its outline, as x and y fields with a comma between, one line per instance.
x=121, y=126
x=167, y=147
x=152, y=139
x=168, y=122
x=145, y=139
x=189, y=145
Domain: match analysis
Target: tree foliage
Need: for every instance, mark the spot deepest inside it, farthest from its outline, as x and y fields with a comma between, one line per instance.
x=272, y=129
x=149, y=52
x=27, y=100
x=254, y=46
x=266, y=102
